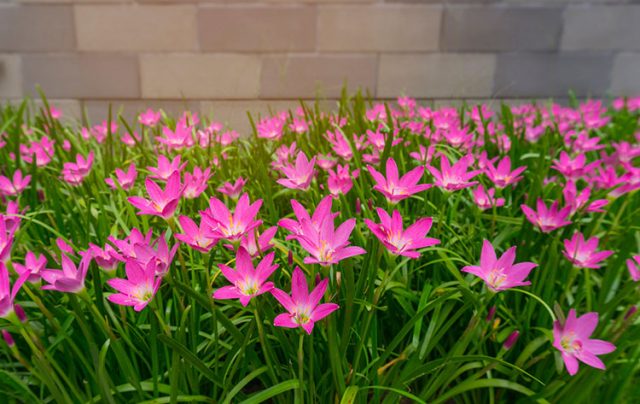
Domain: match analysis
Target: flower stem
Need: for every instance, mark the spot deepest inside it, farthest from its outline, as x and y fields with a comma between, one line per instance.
x=300, y=391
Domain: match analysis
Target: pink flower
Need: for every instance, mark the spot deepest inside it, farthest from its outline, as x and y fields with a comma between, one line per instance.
x=573, y=168
x=162, y=203
x=578, y=200
x=394, y=188
x=149, y=118
x=75, y=173
x=130, y=139
x=486, y=200
x=261, y=244
x=179, y=138
x=339, y=144
x=399, y=241
x=634, y=267
x=232, y=190
x=456, y=177
x=582, y=253
x=70, y=279
x=7, y=293
x=423, y=155
x=304, y=308
x=326, y=244
x=247, y=281
x=138, y=289
x=33, y=265
x=126, y=179
x=340, y=181
x=300, y=175
x=6, y=238
x=156, y=254
x=194, y=235
x=221, y=224
x=502, y=176
x=126, y=245
x=572, y=340
x=547, y=219
x=322, y=210
x=196, y=183
x=166, y=168
x=104, y=257
x=270, y=128
x=16, y=186
x=500, y=273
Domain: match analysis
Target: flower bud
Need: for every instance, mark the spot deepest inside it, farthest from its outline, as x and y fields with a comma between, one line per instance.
x=8, y=338
x=511, y=340
x=491, y=313
x=358, y=207
x=20, y=313
x=632, y=310
x=290, y=258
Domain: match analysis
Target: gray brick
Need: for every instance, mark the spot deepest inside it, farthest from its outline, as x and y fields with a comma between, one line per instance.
x=436, y=75
x=549, y=74
x=500, y=28
x=601, y=28
x=10, y=76
x=308, y=76
x=389, y=28
x=625, y=77
x=36, y=28
x=97, y=111
x=82, y=76
x=262, y=28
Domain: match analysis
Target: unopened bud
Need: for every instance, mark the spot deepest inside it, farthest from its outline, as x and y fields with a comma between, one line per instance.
x=491, y=313
x=511, y=340
x=370, y=204
x=632, y=310
x=358, y=207
x=20, y=312
x=8, y=338
x=290, y=258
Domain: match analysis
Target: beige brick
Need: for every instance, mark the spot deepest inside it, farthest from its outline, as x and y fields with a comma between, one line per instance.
x=257, y=28
x=86, y=75
x=379, y=28
x=135, y=28
x=10, y=76
x=310, y=76
x=34, y=28
x=436, y=75
x=200, y=76
x=71, y=109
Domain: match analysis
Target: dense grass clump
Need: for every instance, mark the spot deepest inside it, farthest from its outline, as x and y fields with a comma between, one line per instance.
x=377, y=253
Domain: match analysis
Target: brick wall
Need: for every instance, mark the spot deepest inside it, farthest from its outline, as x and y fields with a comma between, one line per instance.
x=232, y=55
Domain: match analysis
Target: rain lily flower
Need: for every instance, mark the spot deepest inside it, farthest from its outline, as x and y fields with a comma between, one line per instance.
x=126, y=179
x=486, y=199
x=130, y=139
x=270, y=128
x=500, y=273
x=573, y=342
x=16, y=185
x=70, y=279
x=247, y=281
x=6, y=239
x=196, y=183
x=573, y=168
x=157, y=254
x=8, y=293
x=502, y=176
x=582, y=253
x=339, y=144
x=179, y=138
x=295, y=227
x=397, y=240
x=75, y=173
x=634, y=268
x=33, y=265
x=221, y=224
x=578, y=200
x=194, y=235
x=162, y=203
x=395, y=188
x=456, y=177
x=340, y=181
x=423, y=155
x=126, y=246
x=326, y=244
x=232, y=190
x=300, y=175
x=304, y=308
x=166, y=168
x=149, y=118
x=257, y=244
x=41, y=150
x=104, y=257
x=138, y=289
x=547, y=219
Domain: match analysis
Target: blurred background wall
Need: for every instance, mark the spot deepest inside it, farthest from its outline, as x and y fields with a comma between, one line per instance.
x=229, y=56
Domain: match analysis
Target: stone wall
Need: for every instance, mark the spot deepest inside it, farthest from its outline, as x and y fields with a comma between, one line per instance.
x=232, y=55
